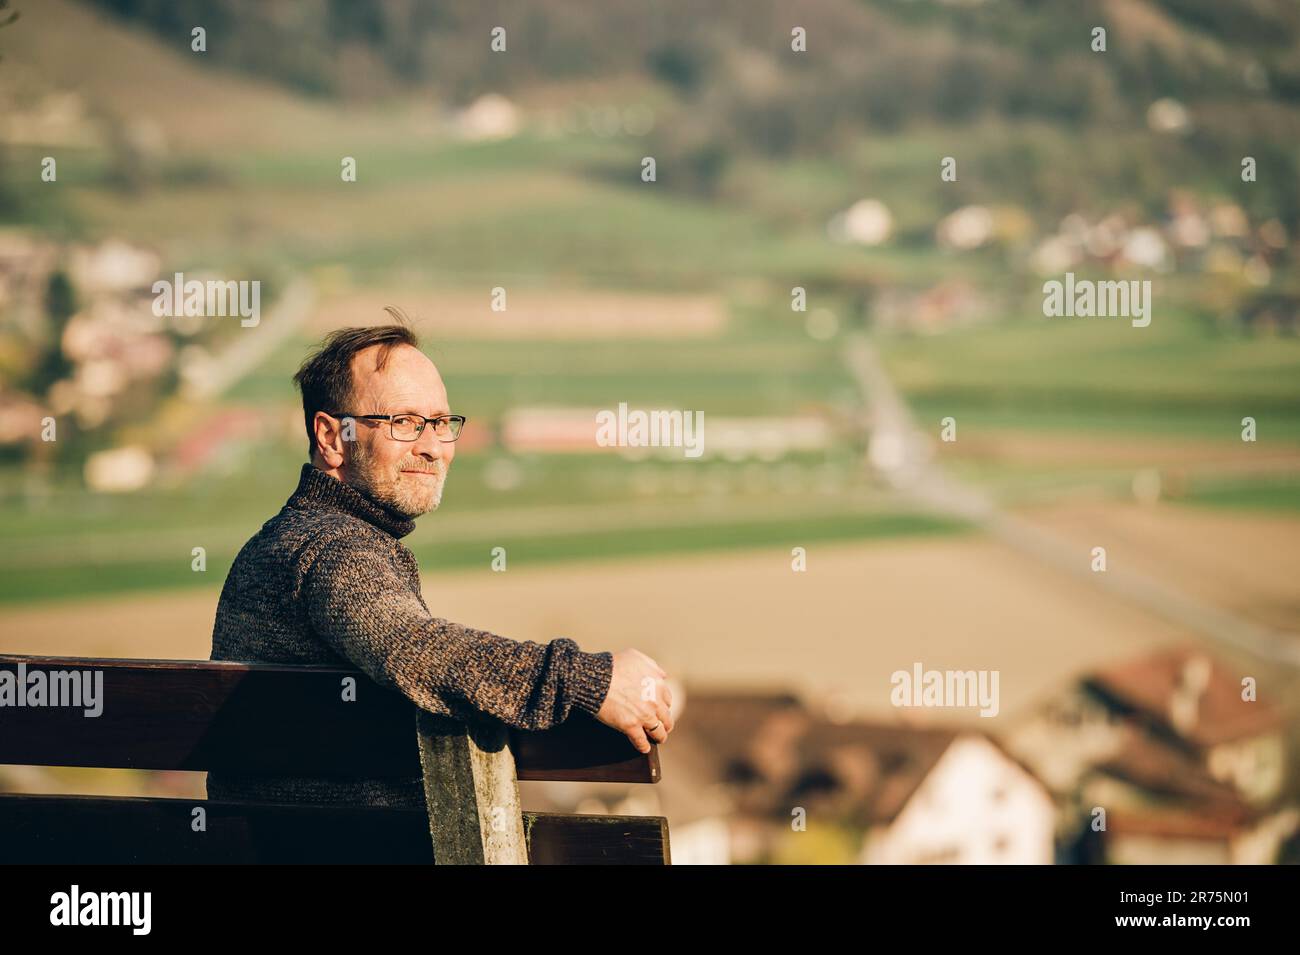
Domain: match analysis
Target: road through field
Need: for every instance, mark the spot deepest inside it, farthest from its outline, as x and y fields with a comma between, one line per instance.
x=901, y=453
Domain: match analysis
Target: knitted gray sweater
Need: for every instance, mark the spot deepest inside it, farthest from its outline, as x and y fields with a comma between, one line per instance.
x=328, y=581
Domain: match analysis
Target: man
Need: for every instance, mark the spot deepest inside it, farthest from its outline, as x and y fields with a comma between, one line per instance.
x=328, y=581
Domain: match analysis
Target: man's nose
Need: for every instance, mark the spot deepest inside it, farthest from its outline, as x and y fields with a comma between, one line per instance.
x=429, y=446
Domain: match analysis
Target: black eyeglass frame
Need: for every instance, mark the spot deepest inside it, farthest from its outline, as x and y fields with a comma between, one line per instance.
x=424, y=423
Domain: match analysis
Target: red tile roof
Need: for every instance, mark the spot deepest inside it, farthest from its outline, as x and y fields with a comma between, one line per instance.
x=1148, y=684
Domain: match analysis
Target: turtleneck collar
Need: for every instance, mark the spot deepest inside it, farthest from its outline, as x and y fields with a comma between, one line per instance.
x=317, y=489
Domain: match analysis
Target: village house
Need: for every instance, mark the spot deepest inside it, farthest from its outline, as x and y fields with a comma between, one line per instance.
x=974, y=804
x=1194, y=704
x=1160, y=759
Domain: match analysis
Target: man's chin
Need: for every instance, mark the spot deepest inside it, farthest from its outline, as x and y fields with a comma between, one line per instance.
x=430, y=505
x=425, y=502
x=414, y=507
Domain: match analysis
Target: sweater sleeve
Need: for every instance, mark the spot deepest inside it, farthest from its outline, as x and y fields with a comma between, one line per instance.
x=359, y=603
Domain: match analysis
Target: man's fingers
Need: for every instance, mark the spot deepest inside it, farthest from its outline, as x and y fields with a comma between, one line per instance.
x=658, y=725
x=637, y=736
x=666, y=716
x=667, y=704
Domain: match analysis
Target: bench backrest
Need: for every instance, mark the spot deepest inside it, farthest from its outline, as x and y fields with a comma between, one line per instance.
x=311, y=720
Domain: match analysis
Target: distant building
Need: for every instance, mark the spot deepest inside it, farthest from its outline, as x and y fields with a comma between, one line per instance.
x=1172, y=837
x=974, y=805
x=20, y=418
x=113, y=265
x=489, y=117
x=119, y=470
x=25, y=266
x=1160, y=760
x=1192, y=703
x=966, y=228
x=1161, y=811
x=866, y=222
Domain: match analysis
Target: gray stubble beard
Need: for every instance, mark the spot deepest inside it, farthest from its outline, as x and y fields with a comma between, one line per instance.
x=389, y=493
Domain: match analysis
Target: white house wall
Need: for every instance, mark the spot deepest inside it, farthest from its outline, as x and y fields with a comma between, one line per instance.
x=976, y=806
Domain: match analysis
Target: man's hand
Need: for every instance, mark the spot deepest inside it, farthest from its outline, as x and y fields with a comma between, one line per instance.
x=638, y=702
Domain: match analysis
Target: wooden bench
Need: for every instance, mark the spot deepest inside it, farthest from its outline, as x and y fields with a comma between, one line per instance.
x=289, y=720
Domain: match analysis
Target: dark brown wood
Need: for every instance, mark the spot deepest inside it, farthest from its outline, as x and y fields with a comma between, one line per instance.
x=572, y=751
x=84, y=830
x=264, y=718
x=561, y=839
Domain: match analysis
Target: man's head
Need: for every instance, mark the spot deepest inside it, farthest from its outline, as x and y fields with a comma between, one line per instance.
x=376, y=371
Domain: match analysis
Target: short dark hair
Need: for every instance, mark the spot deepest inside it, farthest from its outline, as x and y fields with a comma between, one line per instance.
x=325, y=378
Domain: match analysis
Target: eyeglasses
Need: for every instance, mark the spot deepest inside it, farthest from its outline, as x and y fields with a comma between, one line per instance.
x=408, y=427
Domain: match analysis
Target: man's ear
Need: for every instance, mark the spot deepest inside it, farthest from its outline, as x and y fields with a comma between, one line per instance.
x=329, y=440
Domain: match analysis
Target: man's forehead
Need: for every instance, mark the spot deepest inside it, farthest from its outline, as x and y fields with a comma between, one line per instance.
x=407, y=375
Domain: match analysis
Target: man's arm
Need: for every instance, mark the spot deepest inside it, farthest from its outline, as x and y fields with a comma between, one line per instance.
x=364, y=609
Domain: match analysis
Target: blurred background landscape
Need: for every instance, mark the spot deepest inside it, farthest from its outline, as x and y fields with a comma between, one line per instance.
x=776, y=170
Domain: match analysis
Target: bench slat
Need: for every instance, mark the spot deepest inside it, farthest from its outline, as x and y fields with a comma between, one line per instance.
x=86, y=830
x=256, y=718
